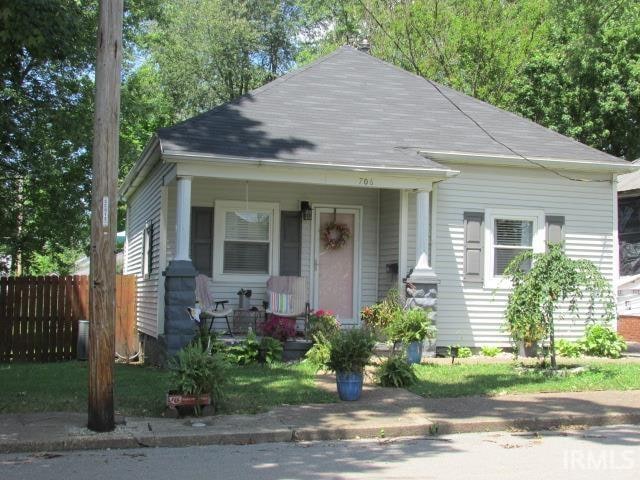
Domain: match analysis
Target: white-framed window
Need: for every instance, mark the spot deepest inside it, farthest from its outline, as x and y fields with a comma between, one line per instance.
x=245, y=240
x=507, y=234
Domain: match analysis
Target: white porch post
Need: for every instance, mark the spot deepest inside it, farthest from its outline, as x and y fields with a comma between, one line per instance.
x=402, y=238
x=422, y=272
x=183, y=218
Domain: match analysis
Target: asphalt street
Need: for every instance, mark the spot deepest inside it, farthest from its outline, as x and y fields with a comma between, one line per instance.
x=611, y=452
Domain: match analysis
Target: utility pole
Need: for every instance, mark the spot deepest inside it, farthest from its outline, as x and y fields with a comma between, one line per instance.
x=102, y=294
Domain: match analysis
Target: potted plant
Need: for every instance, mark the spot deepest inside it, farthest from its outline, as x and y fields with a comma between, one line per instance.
x=350, y=351
x=411, y=327
x=197, y=377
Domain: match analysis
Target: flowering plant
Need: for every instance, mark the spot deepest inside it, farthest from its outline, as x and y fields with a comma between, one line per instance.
x=324, y=322
x=280, y=328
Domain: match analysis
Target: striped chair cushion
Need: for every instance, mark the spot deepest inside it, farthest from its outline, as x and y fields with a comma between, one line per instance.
x=281, y=303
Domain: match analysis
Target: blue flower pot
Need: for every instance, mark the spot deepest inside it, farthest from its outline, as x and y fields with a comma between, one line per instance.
x=349, y=386
x=414, y=352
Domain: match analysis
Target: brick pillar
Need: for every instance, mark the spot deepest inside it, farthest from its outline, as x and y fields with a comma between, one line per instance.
x=179, y=293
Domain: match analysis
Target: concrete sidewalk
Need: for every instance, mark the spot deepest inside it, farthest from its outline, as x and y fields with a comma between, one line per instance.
x=380, y=412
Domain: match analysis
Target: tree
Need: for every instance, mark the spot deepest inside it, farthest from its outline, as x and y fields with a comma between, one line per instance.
x=208, y=52
x=554, y=280
x=47, y=49
x=584, y=80
x=476, y=46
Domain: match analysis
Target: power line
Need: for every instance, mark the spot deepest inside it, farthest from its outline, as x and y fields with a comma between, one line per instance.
x=486, y=132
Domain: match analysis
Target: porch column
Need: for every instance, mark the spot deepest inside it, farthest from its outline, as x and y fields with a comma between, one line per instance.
x=183, y=218
x=425, y=282
x=422, y=271
x=179, y=283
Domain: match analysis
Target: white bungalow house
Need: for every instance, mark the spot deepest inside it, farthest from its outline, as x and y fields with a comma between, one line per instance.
x=431, y=183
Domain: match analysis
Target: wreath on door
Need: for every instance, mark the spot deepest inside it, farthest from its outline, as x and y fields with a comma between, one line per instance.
x=335, y=235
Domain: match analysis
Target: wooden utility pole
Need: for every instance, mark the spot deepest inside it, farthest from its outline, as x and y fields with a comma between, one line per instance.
x=102, y=296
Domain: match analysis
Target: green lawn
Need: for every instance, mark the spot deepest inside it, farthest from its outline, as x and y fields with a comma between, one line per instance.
x=32, y=387
x=500, y=378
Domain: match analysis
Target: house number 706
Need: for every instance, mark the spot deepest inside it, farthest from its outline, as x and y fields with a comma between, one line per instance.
x=366, y=181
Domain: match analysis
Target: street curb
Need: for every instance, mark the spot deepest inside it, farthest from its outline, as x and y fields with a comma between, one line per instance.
x=422, y=428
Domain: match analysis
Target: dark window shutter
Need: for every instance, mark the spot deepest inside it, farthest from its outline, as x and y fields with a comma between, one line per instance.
x=290, y=243
x=473, y=239
x=554, y=229
x=202, y=239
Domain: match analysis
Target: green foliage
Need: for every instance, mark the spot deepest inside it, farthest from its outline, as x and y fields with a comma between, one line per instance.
x=196, y=371
x=240, y=45
x=395, y=372
x=271, y=350
x=413, y=325
x=583, y=79
x=47, y=50
x=246, y=352
x=602, y=341
x=553, y=280
x=350, y=350
x=378, y=316
x=318, y=355
x=488, y=351
x=463, y=352
x=569, y=349
x=322, y=322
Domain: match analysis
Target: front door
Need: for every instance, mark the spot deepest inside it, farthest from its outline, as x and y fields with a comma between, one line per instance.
x=336, y=261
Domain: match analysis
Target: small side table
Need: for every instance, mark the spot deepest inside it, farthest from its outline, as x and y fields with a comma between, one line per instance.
x=243, y=319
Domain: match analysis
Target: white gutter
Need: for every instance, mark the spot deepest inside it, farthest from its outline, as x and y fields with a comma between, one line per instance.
x=515, y=161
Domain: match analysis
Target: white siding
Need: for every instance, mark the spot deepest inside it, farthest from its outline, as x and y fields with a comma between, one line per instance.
x=205, y=191
x=472, y=315
x=143, y=206
x=389, y=249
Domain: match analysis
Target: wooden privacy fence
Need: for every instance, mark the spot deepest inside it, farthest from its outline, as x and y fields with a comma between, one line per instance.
x=39, y=316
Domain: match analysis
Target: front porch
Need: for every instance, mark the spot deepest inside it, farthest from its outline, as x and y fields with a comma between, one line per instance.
x=239, y=232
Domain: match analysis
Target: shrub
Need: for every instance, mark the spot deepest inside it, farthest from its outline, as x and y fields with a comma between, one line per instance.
x=490, y=351
x=280, y=328
x=196, y=371
x=378, y=316
x=246, y=352
x=270, y=350
x=413, y=325
x=464, y=352
x=323, y=322
x=318, y=354
x=602, y=341
x=395, y=372
x=350, y=350
x=569, y=349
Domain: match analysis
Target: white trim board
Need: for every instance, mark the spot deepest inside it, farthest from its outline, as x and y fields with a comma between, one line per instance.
x=306, y=175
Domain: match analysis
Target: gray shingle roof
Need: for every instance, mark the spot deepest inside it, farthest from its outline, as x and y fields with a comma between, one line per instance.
x=349, y=108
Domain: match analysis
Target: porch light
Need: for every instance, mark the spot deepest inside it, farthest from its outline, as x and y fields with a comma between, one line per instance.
x=305, y=208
